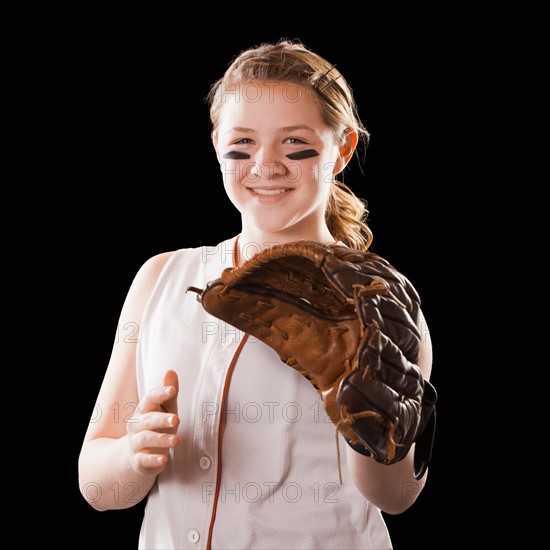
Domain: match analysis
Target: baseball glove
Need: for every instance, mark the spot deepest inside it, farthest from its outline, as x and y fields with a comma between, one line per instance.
x=344, y=319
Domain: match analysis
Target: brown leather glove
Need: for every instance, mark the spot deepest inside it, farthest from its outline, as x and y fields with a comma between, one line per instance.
x=344, y=319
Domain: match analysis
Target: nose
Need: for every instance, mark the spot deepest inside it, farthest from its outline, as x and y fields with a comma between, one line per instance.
x=268, y=170
x=267, y=165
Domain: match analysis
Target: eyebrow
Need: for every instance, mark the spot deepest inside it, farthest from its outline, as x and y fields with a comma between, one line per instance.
x=285, y=129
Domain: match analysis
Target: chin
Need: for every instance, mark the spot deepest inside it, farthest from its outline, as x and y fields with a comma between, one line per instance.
x=270, y=227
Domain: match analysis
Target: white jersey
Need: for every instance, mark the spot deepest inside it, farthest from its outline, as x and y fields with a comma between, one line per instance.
x=257, y=462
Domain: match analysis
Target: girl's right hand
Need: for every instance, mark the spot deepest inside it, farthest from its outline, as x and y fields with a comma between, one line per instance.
x=152, y=428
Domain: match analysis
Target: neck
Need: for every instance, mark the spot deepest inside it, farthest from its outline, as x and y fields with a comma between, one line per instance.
x=251, y=242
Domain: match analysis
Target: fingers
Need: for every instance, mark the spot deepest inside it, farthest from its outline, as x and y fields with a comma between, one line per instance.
x=162, y=398
x=153, y=442
x=150, y=450
x=157, y=411
x=150, y=463
x=157, y=421
x=152, y=429
x=171, y=384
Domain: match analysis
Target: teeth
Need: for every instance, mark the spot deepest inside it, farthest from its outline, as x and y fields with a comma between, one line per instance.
x=269, y=191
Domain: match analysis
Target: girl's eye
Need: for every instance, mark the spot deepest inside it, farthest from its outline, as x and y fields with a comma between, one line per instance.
x=294, y=140
x=244, y=141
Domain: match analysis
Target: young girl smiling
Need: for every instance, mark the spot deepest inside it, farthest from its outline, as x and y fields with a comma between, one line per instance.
x=230, y=447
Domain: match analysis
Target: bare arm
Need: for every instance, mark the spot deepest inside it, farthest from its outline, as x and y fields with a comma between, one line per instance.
x=120, y=456
x=393, y=488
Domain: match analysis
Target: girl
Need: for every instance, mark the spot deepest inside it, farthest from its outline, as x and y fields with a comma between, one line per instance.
x=230, y=447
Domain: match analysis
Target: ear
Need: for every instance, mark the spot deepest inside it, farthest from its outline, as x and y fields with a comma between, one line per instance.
x=346, y=150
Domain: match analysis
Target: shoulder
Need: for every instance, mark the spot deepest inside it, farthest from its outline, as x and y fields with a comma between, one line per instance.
x=143, y=284
x=151, y=269
x=177, y=264
x=156, y=266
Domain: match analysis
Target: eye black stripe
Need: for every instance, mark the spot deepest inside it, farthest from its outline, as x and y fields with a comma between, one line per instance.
x=236, y=155
x=306, y=154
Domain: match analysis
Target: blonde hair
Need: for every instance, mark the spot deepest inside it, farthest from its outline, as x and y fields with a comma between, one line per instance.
x=290, y=61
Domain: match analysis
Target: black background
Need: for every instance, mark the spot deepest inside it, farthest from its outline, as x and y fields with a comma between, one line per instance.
x=137, y=156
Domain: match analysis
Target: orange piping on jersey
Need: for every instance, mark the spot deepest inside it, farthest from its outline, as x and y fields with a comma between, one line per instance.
x=221, y=421
x=220, y=435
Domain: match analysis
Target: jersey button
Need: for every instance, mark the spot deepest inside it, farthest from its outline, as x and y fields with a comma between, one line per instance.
x=193, y=536
x=205, y=462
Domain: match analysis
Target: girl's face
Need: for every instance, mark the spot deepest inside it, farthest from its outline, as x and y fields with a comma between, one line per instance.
x=278, y=158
